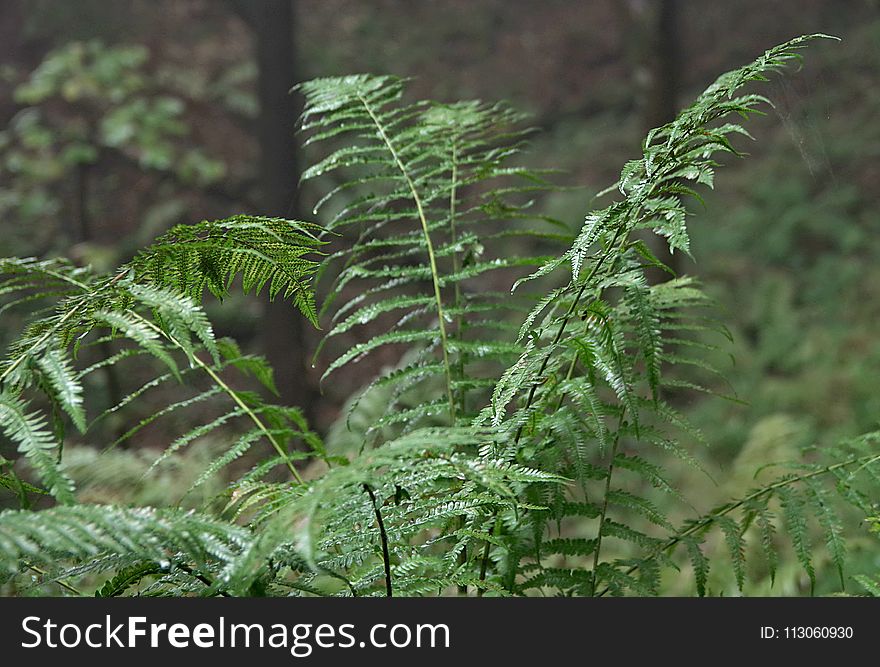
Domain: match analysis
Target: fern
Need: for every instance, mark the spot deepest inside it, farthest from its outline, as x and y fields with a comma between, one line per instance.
x=853, y=467
x=210, y=255
x=424, y=187
x=29, y=431
x=522, y=444
x=594, y=367
x=418, y=482
x=86, y=533
x=150, y=303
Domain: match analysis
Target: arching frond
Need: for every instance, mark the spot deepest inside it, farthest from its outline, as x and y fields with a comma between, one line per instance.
x=424, y=188
x=152, y=306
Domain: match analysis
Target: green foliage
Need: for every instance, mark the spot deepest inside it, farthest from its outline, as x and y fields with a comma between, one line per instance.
x=523, y=444
x=116, y=82
x=145, y=309
x=427, y=189
x=85, y=102
x=212, y=254
x=796, y=221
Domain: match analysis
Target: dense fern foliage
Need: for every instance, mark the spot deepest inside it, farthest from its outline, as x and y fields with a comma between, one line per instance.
x=428, y=191
x=524, y=444
x=146, y=308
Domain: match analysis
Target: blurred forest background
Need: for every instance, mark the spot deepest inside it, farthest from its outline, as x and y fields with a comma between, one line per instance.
x=120, y=119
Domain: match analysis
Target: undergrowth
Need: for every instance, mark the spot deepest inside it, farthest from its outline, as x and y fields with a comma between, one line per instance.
x=522, y=445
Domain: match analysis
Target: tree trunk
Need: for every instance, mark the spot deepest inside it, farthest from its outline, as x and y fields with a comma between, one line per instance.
x=662, y=63
x=285, y=331
x=661, y=107
x=651, y=30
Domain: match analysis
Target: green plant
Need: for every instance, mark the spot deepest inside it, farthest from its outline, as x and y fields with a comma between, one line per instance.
x=85, y=106
x=506, y=457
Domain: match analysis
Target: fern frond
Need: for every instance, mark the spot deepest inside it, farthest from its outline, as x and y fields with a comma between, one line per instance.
x=29, y=432
x=589, y=348
x=65, y=386
x=851, y=466
x=126, y=578
x=153, y=304
x=209, y=255
x=427, y=185
x=167, y=538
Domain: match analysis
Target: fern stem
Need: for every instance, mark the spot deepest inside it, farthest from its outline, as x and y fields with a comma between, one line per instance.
x=533, y=389
x=435, y=275
x=453, y=237
x=727, y=509
x=202, y=578
x=60, y=276
x=253, y=416
x=601, y=530
x=233, y=395
x=60, y=582
x=46, y=336
x=484, y=563
x=459, y=320
x=383, y=536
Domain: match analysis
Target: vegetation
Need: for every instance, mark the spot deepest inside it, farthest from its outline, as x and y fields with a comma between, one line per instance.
x=525, y=442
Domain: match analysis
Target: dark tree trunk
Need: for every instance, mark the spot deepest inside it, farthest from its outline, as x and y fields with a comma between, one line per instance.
x=661, y=106
x=285, y=332
x=83, y=231
x=651, y=41
x=662, y=63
